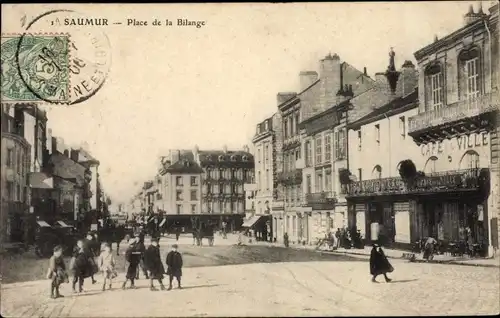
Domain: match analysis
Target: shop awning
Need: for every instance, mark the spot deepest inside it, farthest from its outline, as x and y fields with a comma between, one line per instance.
x=251, y=221
x=40, y=180
x=63, y=224
x=43, y=223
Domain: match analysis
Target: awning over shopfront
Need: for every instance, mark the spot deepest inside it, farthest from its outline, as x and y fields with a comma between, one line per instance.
x=43, y=223
x=251, y=221
x=63, y=224
x=40, y=180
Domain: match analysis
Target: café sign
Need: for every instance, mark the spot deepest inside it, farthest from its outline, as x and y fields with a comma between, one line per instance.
x=460, y=143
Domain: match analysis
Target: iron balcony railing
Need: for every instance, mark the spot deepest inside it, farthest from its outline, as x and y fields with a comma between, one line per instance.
x=453, y=112
x=452, y=180
x=321, y=197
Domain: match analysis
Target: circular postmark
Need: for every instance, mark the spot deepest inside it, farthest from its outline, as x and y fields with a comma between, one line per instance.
x=63, y=57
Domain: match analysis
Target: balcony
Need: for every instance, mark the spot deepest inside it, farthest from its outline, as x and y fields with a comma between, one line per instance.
x=291, y=142
x=463, y=117
x=448, y=181
x=290, y=177
x=321, y=200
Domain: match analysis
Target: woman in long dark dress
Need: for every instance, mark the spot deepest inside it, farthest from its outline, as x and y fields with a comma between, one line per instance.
x=133, y=258
x=379, y=264
x=152, y=261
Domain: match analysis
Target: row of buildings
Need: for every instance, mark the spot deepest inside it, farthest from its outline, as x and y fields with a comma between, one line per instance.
x=414, y=149
x=207, y=184
x=42, y=178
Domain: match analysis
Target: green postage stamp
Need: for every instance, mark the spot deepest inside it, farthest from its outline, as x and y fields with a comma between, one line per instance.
x=35, y=68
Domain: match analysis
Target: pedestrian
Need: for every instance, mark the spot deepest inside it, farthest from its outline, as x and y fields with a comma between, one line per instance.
x=153, y=263
x=379, y=264
x=133, y=258
x=79, y=266
x=174, y=266
x=89, y=250
x=285, y=239
x=140, y=248
x=429, y=248
x=57, y=272
x=177, y=234
x=106, y=265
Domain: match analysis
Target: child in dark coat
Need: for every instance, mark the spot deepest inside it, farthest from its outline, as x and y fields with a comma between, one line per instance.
x=79, y=266
x=133, y=258
x=57, y=272
x=174, y=266
x=152, y=261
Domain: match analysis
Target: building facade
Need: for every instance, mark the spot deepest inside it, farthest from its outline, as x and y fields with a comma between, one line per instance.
x=456, y=129
x=15, y=163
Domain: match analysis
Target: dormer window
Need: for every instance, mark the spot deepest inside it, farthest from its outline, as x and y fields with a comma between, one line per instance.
x=245, y=158
x=233, y=158
x=434, y=87
x=221, y=158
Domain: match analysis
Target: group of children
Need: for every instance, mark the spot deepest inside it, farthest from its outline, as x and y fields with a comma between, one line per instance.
x=83, y=266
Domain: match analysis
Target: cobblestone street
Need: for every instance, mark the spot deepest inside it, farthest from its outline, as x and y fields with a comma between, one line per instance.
x=313, y=288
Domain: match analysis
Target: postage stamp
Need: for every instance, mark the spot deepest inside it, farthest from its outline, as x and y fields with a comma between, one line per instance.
x=35, y=67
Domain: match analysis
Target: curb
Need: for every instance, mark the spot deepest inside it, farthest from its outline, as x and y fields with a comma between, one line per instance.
x=450, y=262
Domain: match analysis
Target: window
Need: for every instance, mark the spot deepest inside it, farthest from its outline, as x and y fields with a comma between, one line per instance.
x=340, y=147
x=258, y=129
x=360, y=174
x=436, y=91
x=377, y=133
x=402, y=126
x=472, y=74
x=19, y=165
x=308, y=184
x=178, y=195
x=319, y=155
x=178, y=181
x=359, y=139
x=377, y=172
x=194, y=181
x=193, y=208
x=234, y=206
x=267, y=179
x=328, y=148
x=194, y=195
x=258, y=154
x=292, y=127
x=266, y=125
x=430, y=165
x=10, y=157
x=297, y=154
x=297, y=120
x=221, y=188
x=470, y=160
x=179, y=208
x=328, y=180
x=308, y=153
x=319, y=181
x=10, y=190
x=259, y=181
x=285, y=128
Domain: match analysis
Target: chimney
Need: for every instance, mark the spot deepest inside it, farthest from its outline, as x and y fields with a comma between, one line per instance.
x=48, y=143
x=174, y=156
x=224, y=148
x=364, y=71
x=307, y=78
x=408, y=80
x=331, y=81
x=246, y=148
x=471, y=16
x=391, y=73
x=196, y=151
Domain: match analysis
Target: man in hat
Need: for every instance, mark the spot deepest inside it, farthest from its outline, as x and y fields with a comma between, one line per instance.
x=88, y=250
x=174, y=266
x=152, y=261
x=140, y=248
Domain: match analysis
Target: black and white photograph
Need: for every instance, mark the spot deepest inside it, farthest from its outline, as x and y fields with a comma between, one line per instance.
x=250, y=159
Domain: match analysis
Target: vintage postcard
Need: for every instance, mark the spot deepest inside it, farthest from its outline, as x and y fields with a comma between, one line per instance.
x=250, y=159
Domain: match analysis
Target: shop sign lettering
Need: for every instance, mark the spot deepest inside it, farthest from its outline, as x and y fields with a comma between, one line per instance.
x=460, y=143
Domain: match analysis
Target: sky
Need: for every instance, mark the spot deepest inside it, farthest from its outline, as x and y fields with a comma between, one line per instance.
x=174, y=88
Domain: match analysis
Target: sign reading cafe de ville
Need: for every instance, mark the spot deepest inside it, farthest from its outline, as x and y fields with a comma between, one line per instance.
x=458, y=144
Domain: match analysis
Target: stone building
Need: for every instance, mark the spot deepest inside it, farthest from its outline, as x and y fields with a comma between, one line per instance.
x=456, y=129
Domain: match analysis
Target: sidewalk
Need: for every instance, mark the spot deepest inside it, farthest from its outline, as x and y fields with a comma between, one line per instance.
x=397, y=254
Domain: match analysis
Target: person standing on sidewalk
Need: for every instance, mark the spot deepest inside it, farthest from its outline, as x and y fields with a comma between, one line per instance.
x=174, y=266
x=57, y=272
x=153, y=263
x=285, y=239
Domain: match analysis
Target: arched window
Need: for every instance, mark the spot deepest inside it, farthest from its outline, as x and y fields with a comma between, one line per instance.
x=469, y=75
x=430, y=165
x=66, y=153
x=470, y=160
x=377, y=172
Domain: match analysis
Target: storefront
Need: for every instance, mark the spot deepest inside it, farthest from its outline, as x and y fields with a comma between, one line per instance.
x=449, y=206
